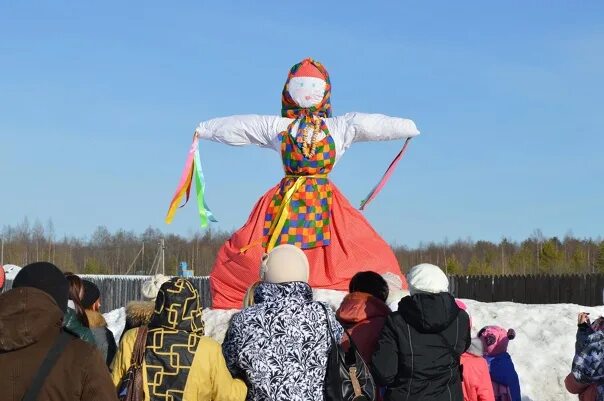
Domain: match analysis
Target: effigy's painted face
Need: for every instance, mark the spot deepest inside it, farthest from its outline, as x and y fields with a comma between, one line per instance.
x=306, y=91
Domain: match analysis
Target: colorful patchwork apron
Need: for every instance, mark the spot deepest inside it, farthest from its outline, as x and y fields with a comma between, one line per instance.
x=300, y=209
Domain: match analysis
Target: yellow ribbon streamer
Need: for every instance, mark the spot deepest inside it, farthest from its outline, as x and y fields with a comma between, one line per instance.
x=283, y=213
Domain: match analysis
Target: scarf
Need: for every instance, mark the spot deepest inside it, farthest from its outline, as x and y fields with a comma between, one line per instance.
x=307, y=117
x=174, y=333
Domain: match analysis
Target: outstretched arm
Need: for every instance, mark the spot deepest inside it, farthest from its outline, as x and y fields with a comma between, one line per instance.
x=358, y=127
x=243, y=130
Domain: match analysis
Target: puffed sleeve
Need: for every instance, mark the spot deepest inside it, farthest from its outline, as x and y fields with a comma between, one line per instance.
x=241, y=130
x=361, y=127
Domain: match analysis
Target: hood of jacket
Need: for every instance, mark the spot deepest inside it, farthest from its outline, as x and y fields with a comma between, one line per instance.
x=95, y=319
x=178, y=307
x=357, y=307
x=71, y=322
x=429, y=313
x=495, y=339
x=26, y=314
x=476, y=347
x=139, y=313
x=295, y=291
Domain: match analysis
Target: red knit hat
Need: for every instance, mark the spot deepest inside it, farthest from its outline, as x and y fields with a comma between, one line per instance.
x=308, y=69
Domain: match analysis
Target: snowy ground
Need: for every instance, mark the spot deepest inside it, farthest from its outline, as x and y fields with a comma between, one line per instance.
x=542, y=351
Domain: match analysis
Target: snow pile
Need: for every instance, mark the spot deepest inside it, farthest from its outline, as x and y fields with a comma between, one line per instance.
x=542, y=350
x=544, y=345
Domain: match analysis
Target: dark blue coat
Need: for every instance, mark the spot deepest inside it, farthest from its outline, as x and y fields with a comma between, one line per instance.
x=503, y=372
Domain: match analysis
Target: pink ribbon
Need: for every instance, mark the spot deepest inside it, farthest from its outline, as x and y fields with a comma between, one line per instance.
x=376, y=190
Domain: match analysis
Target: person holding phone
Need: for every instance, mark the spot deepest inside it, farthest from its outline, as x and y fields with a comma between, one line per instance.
x=588, y=356
x=585, y=328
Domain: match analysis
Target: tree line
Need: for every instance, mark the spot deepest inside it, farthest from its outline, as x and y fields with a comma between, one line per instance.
x=122, y=251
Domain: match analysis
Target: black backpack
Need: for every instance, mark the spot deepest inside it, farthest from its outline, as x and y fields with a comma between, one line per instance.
x=347, y=377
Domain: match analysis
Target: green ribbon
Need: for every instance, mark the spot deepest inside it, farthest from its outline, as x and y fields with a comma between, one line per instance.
x=205, y=213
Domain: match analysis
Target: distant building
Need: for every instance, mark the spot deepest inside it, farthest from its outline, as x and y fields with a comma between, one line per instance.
x=183, y=270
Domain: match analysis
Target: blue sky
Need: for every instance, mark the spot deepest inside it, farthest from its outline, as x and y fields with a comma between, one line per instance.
x=99, y=100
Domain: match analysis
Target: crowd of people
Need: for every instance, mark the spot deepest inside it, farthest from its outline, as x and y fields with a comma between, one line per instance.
x=55, y=343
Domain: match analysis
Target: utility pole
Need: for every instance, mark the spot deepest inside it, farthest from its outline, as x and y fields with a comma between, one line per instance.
x=2, y=251
x=163, y=257
x=143, y=258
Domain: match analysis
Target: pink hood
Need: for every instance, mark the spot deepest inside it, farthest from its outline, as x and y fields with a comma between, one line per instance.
x=496, y=339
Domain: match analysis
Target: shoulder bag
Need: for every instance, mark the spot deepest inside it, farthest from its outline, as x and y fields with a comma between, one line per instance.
x=131, y=386
x=347, y=377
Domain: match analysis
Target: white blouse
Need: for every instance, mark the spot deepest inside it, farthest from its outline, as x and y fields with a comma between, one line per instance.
x=264, y=130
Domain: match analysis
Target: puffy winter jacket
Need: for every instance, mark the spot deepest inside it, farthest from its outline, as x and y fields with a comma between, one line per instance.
x=413, y=356
x=208, y=379
x=280, y=345
x=584, y=330
x=504, y=374
x=588, y=365
x=138, y=313
x=30, y=322
x=73, y=324
x=476, y=379
x=103, y=337
x=363, y=316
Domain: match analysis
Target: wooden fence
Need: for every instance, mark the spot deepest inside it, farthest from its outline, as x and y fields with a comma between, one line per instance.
x=117, y=291
x=587, y=289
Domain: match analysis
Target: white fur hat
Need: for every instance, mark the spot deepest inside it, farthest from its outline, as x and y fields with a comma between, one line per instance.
x=151, y=287
x=427, y=278
x=283, y=264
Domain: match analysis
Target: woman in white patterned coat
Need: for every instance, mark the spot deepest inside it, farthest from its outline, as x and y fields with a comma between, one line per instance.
x=280, y=345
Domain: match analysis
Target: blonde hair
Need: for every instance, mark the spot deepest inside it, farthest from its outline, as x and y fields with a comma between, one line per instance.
x=248, y=299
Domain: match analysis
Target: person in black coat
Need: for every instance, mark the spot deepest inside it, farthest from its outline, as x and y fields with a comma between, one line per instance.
x=419, y=349
x=103, y=337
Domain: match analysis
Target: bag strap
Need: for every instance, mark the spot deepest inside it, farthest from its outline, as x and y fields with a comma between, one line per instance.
x=138, y=353
x=329, y=328
x=47, y=364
